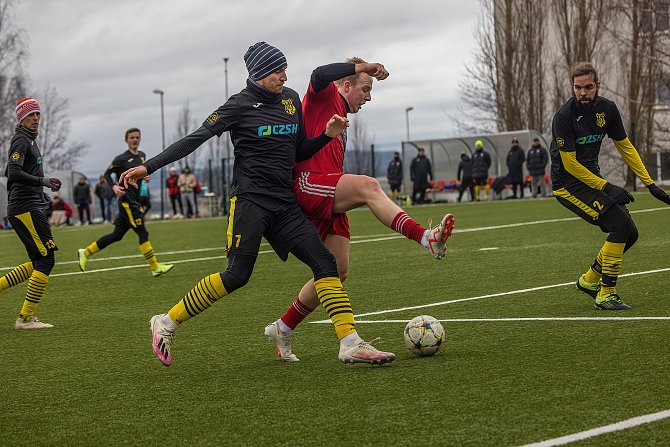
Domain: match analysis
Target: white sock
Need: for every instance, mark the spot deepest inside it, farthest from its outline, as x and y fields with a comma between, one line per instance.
x=424, y=238
x=351, y=339
x=167, y=321
x=283, y=327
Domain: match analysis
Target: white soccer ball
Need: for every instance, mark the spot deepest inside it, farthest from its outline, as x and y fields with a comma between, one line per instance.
x=424, y=335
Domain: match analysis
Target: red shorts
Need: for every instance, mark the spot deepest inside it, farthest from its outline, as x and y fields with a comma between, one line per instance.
x=316, y=193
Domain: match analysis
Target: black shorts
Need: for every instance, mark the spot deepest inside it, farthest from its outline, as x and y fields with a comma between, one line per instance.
x=395, y=186
x=479, y=181
x=584, y=201
x=130, y=216
x=283, y=226
x=34, y=231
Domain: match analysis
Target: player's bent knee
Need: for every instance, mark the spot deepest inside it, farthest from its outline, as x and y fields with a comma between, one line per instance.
x=45, y=264
x=234, y=280
x=632, y=238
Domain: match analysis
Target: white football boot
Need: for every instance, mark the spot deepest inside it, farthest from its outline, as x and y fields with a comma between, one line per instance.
x=32, y=323
x=437, y=237
x=364, y=352
x=282, y=341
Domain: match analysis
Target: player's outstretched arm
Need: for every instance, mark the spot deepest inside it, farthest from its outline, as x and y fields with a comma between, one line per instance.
x=659, y=193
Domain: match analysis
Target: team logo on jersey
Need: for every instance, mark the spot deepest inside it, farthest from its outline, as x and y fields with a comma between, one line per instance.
x=277, y=129
x=600, y=119
x=16, y=156
x=560, y=142
x=142, y=160
x=288, y=106
x=211, y=119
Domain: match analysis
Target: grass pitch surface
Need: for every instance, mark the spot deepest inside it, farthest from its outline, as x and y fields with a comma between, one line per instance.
x=503, y=377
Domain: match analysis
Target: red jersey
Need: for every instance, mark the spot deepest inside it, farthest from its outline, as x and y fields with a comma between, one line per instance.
x=317, y=109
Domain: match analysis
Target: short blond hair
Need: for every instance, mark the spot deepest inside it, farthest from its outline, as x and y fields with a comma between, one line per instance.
x=354, y=77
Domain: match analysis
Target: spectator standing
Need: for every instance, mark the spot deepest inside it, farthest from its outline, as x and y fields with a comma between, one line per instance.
x=481, y=162
x=464, y=177
x=394, y=175
x=420, y=172
x=172, y=185
x=536, y=162
x=105, y=194
x=515, y=160
x=187, y=184
x=196, y=192
x=82, y=197
x=145, y=195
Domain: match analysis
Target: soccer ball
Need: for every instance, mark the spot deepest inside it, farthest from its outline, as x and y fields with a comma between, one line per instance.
x=424, y=335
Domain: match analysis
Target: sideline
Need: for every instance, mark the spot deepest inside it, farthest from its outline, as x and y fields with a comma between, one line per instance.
x=623, y=425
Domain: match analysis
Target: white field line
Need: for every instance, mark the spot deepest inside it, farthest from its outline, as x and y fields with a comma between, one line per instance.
x=476, y=320
x=363, y=240
x=623, y=425
x=480, y=297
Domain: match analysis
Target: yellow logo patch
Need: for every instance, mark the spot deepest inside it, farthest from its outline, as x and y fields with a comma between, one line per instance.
x=211, y=119
x=560, y=141
x=600, y=119
x=16, y=156
x=288, y=106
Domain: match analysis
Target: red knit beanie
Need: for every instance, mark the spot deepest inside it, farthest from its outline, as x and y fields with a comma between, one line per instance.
x=25, y=107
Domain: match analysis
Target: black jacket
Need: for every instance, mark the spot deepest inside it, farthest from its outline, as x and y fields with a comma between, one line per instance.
x=464, y=168
x=420, y=171
x=537, y=160
x=394, y=171
x=481, y=162
x=515, y=159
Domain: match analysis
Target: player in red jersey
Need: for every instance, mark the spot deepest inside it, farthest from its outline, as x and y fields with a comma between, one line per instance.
x=325, y=193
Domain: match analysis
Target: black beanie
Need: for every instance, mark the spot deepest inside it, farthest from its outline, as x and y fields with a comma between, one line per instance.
x=262, y=60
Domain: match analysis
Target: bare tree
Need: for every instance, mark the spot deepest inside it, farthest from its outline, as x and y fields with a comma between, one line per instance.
x=13, y=78
x=358, y=157
x=186, y=123
x=53, y=138
x=504, y=88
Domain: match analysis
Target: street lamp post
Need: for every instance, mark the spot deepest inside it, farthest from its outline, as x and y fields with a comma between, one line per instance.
x=225, y=166
x=407, y=110
x=161, y=93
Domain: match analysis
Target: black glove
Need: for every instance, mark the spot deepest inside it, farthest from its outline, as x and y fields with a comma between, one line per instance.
x=52, y=183
x=618, y=194
x=659, y=193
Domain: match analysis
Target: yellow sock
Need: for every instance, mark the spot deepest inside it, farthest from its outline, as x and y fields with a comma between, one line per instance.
x=611, y=256
x=592, y=276
x=209, y=290
x=335, y=300
x=478, y=189
x=91, y=249
x=36, y=287
x=148, y=251
x=487, y=189
x=16, y=276
x=393, y=196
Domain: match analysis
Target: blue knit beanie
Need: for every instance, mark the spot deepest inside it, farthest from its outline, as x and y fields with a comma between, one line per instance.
x=262, y=60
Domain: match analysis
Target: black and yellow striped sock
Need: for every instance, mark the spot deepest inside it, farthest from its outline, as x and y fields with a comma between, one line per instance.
x=91, y=249
x=37, y=284
x=611, y=257
x=16, y=276
x=335, y=300
x=148, y=251
x=592, y=276
x=209, y=290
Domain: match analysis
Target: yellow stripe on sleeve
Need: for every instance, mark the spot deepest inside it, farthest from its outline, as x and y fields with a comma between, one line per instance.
x=577, y=170
x=632, y=159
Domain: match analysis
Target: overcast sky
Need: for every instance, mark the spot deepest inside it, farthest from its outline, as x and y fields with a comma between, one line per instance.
x=107, y=57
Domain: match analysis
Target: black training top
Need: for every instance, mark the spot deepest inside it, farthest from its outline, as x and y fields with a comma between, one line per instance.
x=268, y=136
x=120, y=164
x=24, y=174
x=580, y=129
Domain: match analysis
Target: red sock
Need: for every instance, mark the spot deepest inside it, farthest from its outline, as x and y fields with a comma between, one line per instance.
x=295, y=314
x=407, y=226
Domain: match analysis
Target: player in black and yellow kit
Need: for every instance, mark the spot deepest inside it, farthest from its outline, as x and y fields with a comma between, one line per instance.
x=131, y=214
x=268, y=133
x=578, y=129
x=26, y=204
